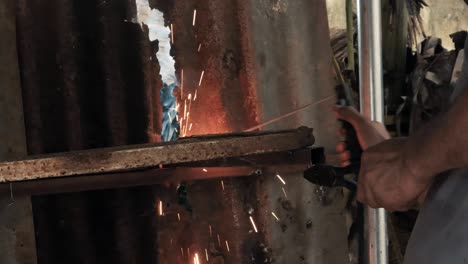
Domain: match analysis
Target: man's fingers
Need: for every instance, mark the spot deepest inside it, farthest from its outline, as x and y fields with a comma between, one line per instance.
x=348, y=114
x=345, y=163
x=345, y=156
x=341, y=147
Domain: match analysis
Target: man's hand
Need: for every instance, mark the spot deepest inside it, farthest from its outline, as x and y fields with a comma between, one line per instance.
x=385, y=180
x=369, y=132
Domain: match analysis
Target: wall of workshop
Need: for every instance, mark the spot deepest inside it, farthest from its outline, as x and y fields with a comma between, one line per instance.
x=441, y=18
x=88, y=79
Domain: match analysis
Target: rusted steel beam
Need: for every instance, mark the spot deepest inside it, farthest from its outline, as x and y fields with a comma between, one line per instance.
x=152, y=155
x=123, y=179
x=285, y=162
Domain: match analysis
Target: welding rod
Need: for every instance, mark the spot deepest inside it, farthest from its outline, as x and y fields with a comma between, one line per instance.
x=288, y=114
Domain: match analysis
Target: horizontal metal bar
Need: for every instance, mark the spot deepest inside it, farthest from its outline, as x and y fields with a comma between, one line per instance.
x=122, y=180
x=142, y=178
x=153, y=155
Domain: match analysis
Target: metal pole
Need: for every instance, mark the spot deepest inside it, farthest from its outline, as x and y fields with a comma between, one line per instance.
x=372, y=106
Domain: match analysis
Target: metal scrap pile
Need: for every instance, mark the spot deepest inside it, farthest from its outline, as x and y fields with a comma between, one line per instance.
x=432, y=80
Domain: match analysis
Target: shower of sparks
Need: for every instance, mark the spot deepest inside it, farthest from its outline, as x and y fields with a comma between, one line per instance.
x=206, y=255
x=205, y=170
x=199, y=47
x=194, y=17
x=182, y=251
x=172, y=34
x=274, y=215
x=178, y=216
x=281, y=179
x=182, y=83
x=195, y=259
x=195, y=96
x=201, y=78
x=211, y=231
x=190, y=127
x=253, y=224
x=219, y=241
x=227, y=245
x=222, y=185
x=285, y=195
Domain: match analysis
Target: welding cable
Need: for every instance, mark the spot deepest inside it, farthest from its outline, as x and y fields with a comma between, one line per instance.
x=274, y=120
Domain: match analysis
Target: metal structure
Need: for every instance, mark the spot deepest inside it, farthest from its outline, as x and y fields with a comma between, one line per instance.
x=372, y=106
x=153, y=155
x=204, y=157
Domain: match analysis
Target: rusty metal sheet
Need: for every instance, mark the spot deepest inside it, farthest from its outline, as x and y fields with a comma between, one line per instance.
x=152, y=155
x=17, y=243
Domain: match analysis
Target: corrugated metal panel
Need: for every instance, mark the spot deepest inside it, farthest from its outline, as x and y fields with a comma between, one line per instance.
x=88, y=78
x=17, y=244
x=88, y=82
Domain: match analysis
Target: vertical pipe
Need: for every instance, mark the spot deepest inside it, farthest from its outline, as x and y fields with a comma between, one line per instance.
x=372, y=106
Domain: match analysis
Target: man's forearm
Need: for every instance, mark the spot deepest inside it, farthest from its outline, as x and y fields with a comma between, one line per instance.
x=442, y=144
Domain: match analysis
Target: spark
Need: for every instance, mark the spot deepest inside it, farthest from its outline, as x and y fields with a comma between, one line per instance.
x=186, y=123
x=178, y=216
x=188, y=251
x=227, y=245
x=281, y=179
x=171, y=241
x=199, y=47
x=175, y=129
x=196, y=260
x=205, y=170
x=206, y=255
x=222, y=184
x=194, y=17
x=182, y=251
x=161, y=208
x=190, y=96
x=274, y=215
x=285, y=195
x=219, y=241
x=182, y=83
x=185, y=108
x=190, y=127
x=172, y=34
x=201, y=78
x=195, y=96
x=253, y=224
x=211, y=231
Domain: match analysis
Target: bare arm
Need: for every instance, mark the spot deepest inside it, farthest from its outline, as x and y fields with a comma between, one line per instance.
x=442, y=144
x=396, y=173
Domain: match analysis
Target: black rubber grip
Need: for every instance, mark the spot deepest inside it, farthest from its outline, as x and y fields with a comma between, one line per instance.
x=352, y=143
